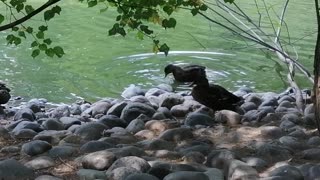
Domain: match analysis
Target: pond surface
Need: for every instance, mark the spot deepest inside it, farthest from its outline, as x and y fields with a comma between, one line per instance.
x=96, y=65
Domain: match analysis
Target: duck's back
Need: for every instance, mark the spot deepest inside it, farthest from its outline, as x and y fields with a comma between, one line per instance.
x=189, y=73
x=215, y=97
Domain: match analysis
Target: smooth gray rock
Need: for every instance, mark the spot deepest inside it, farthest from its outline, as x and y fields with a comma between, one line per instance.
x=25, y=134
x=141, y=176
x=293, y=143
x=93, y=146
x=27, y=125
x=63, y=152
x=273, y=152
x=314, y=172
x=288, y=172
x=91, y=131
x=69, y=121
x=256, y=163
x=35, y=147
x=121, y=173
x=254, y=99
x=90, y=174
x=158, y=116
x=53, y=124
x=133, y=110
x=269, y=102
x=157, y=144
x=314, y=141
x=291, y=117
x=135, y=126
x=309, y=120
x=25, y=113
x=165, y=87
x=176, y=134
x=240, y=170
x=226, y=116
x=36, y=104
x=311, y=154
x=117, y=108
x=128, y=151
x=100, y=160
x=112, y=121
x=220, y=158
x=47, y=177
x=186, y=175
x=169, y=100
x=214, y=174
x=61, y=111
x=131, y=161
x=309, y=109
x=131, y=91
x=154, y=92
x=272, y=132
x=194, y=119
x=10, y=149
x=40, y=163
x=286, y=125
x=159, y=172
x=180, y=110
x=75, y=109
x=51, y=136
x=11, y=169
x=287, y=104
x=140, y=99
x=248, y=106
x=194, y=157
x=100, y=107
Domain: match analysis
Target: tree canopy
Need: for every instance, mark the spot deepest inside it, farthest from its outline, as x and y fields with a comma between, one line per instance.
x=132, y=16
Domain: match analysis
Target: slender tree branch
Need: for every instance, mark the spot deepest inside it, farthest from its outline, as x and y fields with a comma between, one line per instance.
x=29, y=16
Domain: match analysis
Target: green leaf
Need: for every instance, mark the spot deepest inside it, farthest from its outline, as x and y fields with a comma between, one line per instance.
x=48, y=15
x=19, y=7
x=17, y=41
x=28, y=9
x=203, y=7
x=43, y=28
x=35, y=53
x=50, y=52
x=164, y=48
x=58, y=51
x=10, y=38
x=40, y=35
x=42, y=47
x=92, y=3
x=56, y=9
x=194, y=11
x=34, y=44
x=47, y=41
x=15, y=28
x=29, y=30
x=168, y=9
x=1, y=18
x=22, y=34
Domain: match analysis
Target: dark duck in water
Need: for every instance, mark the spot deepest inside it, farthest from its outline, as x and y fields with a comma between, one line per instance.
x=4, y=93
x=186, y=73
x=214, y=96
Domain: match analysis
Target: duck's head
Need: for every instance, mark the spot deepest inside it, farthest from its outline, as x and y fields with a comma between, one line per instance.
x=169, y=69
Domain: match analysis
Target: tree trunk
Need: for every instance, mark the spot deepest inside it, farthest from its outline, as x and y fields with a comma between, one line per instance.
x=316, y=86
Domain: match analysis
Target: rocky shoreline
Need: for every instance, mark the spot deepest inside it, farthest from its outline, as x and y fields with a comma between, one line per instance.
x=158, y=134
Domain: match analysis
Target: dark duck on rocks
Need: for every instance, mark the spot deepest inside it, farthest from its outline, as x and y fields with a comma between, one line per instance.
x=4, y=93
x=186, y=73
x=214, y=96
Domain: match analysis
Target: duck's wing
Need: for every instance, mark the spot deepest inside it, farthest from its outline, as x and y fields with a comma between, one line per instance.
x=193, y=67
x=223, y=94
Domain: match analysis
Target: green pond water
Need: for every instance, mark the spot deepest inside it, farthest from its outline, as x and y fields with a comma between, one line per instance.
x=96, y=65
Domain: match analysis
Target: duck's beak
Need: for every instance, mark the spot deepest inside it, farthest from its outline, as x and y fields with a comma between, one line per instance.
x=165, y=75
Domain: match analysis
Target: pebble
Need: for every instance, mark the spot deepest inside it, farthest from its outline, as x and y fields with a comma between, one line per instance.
x=100, y=160
x=131, y=161
x=40, y=163
x=35, y=147
x=12, y=169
